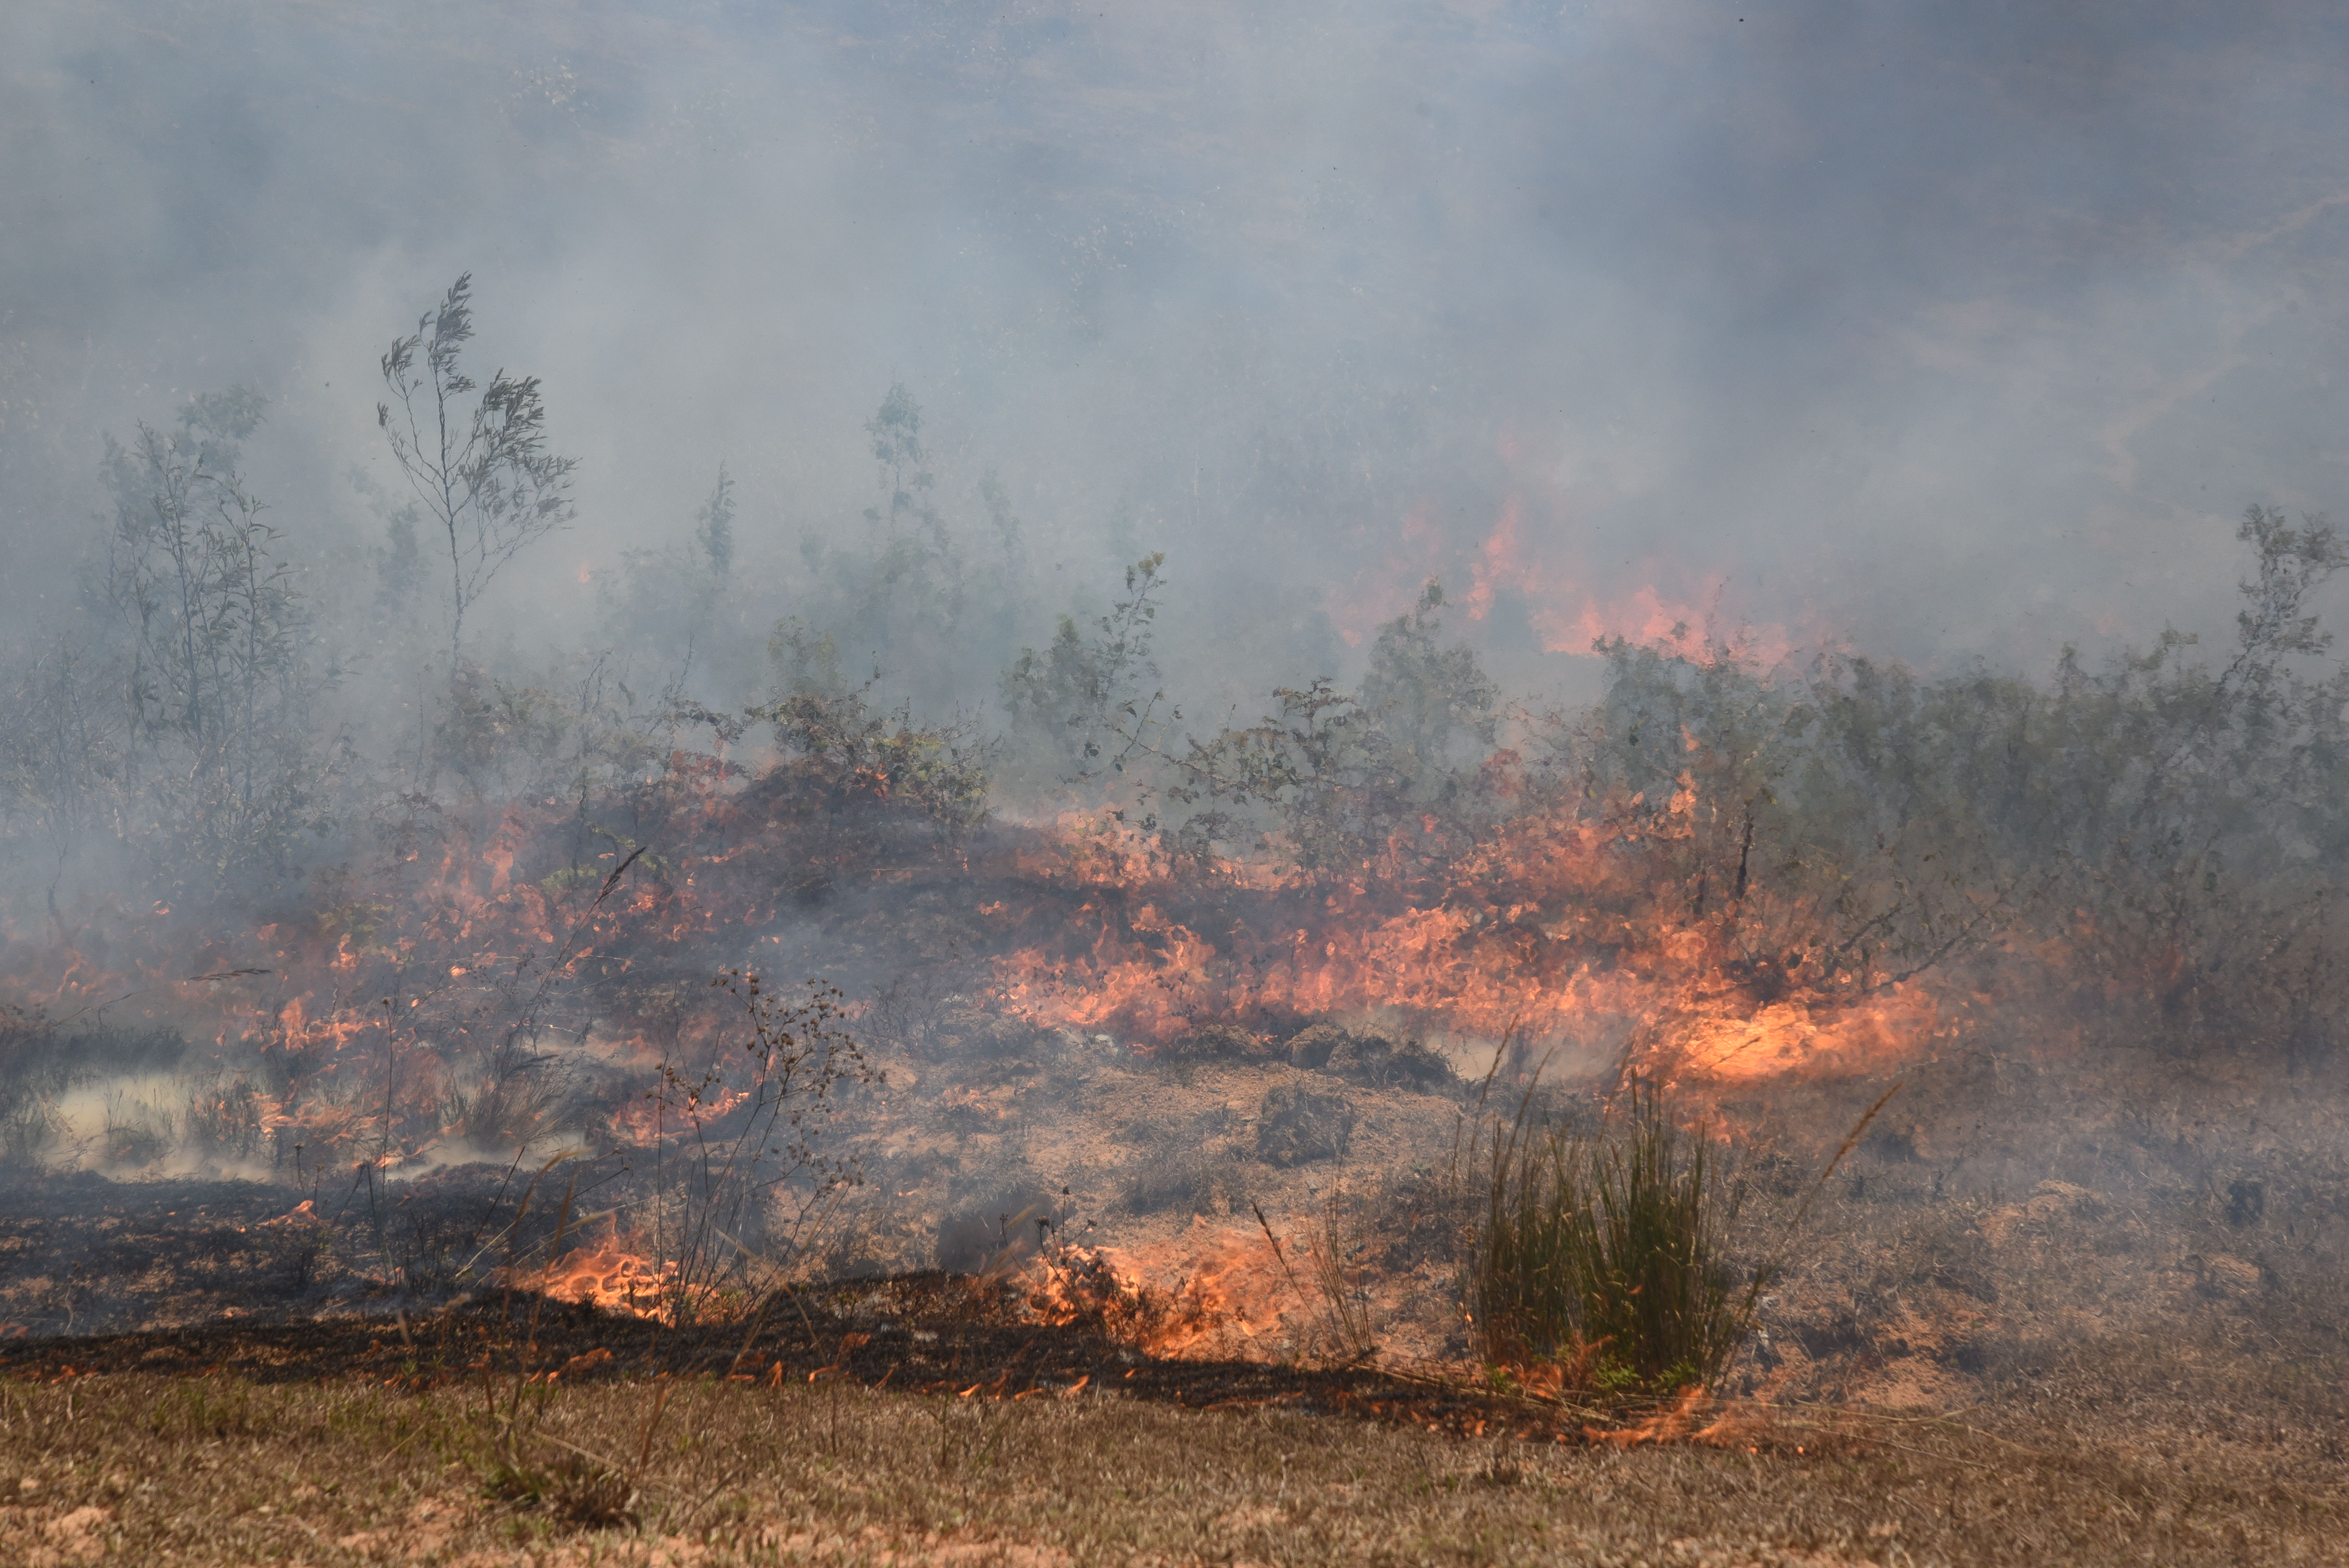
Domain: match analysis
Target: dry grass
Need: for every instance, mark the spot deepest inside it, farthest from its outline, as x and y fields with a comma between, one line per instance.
x=2119, y=1289
x=2125, y=1453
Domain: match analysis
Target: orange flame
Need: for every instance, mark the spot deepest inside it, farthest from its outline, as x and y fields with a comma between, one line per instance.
x=612, y=1280
x=1548, y=934
x=1210, y=1295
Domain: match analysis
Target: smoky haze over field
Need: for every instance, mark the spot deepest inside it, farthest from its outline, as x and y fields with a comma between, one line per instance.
x=960, y=497
x=1941, y=331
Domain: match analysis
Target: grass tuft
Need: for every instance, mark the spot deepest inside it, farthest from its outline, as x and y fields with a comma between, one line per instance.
x=575, y=1492
x=1609, y=1256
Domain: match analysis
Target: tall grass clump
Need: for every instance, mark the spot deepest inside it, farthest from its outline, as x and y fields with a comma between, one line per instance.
x=1608, y=1255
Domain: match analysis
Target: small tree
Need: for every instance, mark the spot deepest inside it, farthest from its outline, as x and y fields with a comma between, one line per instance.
x=62, y=739
x=218, y=684
x=483, y=475
x=898, y=593
x=1084, y=689
x=1424, y=693
x=1340, y=779
x=672, y=602
x=897, y=431
x=716, y=532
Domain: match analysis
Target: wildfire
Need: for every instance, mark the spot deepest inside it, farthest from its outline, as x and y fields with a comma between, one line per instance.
x=1215, y=1294
x=358, y=1040
x=1544, y=936
x=612, y=1280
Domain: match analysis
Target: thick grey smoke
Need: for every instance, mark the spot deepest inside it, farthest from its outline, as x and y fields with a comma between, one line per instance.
x=1940, y=330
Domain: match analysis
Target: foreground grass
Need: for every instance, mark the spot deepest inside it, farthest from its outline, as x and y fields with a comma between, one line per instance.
x=2194, y=1465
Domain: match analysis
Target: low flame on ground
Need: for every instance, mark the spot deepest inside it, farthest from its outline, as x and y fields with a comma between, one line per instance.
x=1215, y=1294
x=1541, y=938
x=610, y=1279
x=354, y=1036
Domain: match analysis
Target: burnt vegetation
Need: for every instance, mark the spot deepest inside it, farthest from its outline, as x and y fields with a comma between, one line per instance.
x=360, y=964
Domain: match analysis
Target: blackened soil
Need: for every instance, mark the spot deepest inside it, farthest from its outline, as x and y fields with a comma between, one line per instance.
x=929, y=1333
x=82, y=1255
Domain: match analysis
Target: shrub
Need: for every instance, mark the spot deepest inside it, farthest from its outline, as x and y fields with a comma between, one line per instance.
x=1381, y=1061
x=1217, y=1042
x=740, y=1178
x=1296, y=1125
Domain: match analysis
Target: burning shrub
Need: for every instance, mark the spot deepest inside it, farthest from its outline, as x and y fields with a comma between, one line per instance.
x=1610, y=1256
x=1080, y=1288
x=1296, y=1125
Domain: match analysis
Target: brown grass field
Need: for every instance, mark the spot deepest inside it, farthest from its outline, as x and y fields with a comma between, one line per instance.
x=2128, y=1452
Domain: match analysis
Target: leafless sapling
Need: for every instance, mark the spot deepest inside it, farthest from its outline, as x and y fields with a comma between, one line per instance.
x=483, y=474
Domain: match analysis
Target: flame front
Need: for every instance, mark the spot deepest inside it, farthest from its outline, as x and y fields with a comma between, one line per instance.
x=1546, y=935
x=1554, y=929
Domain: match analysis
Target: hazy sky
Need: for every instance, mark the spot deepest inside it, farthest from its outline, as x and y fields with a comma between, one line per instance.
x=1938, y=329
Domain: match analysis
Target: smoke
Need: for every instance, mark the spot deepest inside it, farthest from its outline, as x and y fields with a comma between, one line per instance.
x=1934, y=334
x=1939, y=331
